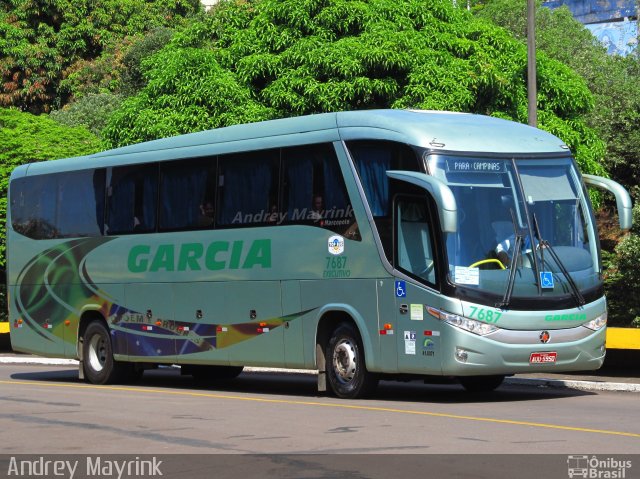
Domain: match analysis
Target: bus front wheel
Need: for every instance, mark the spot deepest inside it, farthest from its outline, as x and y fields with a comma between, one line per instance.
x=97, y=357
x=345, y=367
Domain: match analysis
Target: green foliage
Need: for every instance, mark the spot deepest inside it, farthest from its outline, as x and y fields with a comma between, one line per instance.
x=41, y=39
x=613, y=80
x=91, y=111
x=617, y=116
x=96, y=75
x=295, y=57
x=622, y=278
x=25, y=138
x=95, y=88
x=187, y=90
x=132, y=79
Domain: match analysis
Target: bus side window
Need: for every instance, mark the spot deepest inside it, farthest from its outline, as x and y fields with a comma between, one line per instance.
x=187, y=194
x=80, y=204
x=247, y=188
x=132, y=195
x=372, y=159
x=34, y=201
x=414, y=243
x=60, y=205
x=314, y=192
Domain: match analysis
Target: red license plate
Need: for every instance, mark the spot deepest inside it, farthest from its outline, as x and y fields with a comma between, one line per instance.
x=543, y=358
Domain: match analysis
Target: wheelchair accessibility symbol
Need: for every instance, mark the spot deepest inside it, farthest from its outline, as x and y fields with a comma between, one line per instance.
x=546, y=279
x=401, y=289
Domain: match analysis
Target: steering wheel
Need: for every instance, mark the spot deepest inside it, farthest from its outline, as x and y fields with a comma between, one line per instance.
x=487, y=261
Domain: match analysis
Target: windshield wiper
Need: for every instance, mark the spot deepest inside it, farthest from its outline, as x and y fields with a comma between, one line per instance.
x=544, y=244
x=519, y=238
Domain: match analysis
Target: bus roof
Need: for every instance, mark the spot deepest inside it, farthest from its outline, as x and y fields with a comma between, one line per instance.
x=436, y=130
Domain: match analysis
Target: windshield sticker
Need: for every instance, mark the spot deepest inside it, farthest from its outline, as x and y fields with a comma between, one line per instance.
x=464, y=275
x=336, y=245
x=416, y=312
x=458, y=165
x=409, y=342
x=546, y=279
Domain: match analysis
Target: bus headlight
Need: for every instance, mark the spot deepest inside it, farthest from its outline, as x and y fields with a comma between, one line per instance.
x=597, y=323
x=471, y=325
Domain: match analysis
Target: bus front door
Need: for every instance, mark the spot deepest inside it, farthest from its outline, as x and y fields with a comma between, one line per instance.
x=418, y=333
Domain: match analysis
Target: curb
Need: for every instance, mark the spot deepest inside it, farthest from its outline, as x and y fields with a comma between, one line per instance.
x=574, y=384
x=37, y=361
x=513, y=381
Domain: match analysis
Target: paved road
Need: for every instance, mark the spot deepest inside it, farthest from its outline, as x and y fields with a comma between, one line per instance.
x=48, y=410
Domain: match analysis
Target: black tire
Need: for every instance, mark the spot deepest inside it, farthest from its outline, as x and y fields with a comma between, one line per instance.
x=346, y=371
x=214, y=374
x=480, y=384
x=97, y=357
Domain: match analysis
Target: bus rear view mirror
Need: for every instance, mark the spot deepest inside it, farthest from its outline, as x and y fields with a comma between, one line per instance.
x=623, y=200
x=441, y=193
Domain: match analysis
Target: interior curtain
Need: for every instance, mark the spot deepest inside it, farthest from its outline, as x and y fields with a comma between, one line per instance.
x=373, y=164
x=245, y=190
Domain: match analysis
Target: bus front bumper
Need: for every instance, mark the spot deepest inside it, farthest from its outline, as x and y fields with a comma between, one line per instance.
x=467, y=354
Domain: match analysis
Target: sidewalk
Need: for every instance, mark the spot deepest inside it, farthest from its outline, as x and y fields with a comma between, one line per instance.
x=613, y=376
x=605, y=379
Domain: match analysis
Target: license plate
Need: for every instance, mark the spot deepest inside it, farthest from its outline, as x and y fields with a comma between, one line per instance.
x=543, y=358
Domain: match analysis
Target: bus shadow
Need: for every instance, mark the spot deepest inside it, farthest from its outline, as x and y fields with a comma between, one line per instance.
x=303, y=385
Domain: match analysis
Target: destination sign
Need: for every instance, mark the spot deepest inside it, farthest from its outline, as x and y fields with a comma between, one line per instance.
x=458, y=165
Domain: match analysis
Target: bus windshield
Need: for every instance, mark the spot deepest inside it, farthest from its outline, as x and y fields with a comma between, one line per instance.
x=539, y=204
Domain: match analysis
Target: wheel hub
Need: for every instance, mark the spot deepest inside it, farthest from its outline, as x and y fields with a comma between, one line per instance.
x=97, y=353
x=344, y=360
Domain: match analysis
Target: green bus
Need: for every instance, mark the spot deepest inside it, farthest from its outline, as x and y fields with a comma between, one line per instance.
x=364, y=244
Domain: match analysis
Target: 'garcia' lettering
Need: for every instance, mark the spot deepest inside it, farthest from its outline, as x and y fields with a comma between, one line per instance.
x=218, y=255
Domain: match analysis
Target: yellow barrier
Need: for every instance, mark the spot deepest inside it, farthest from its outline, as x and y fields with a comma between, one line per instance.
x=623, y=338
x=617, y=338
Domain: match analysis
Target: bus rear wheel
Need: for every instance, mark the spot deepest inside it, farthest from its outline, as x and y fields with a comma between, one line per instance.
x=346, y=371
x=97, y=357
x=480, y=384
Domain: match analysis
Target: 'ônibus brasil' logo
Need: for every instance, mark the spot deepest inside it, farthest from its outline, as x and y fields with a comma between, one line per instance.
x=217, y=255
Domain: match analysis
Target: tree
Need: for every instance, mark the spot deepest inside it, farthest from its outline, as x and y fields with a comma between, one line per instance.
x=293, y=57
x=91, y=111
x=613, y=80
x=95, y=88
x=41, y=39
x=187, y=91
x=25, y=138
x=622, y=278
x=132, y=79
